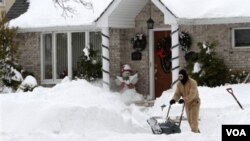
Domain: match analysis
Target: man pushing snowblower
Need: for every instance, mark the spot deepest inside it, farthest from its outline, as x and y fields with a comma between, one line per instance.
x=187, y=89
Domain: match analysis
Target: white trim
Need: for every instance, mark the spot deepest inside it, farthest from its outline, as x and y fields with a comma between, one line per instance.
x=105, y=62
x=233, y=38
x=41, y=58
x=169, y=18
x=209, y=21
x=175, y=53
x=104, y=19
x=152, y=63
x=59, y=28
x=54, y=56
x=87, y=41
x=69, y=47
x=151, y=66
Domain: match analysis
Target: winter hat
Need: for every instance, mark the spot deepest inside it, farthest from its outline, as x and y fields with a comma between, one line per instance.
x=126, y=67
x=185, y=76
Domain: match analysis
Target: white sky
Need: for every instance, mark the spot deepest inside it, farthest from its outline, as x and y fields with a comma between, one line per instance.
x=45, y=13
x=195, y=9
x=80, y=111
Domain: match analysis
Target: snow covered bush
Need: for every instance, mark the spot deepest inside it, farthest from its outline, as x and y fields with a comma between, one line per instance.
x=9, y=69
x=89, y=65
x=208, y=69
x=237, y=76
x=28, y=84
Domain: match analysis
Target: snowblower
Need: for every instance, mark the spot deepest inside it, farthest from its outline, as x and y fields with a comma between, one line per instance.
x=169, y=126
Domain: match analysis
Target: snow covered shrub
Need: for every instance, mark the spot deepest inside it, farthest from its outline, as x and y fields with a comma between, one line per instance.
x=208, y=69
x=237, y=76
x=9, y=69
x=89, y=65
x=28, y=84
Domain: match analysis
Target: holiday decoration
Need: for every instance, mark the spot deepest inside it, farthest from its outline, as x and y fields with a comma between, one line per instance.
x=163, y=51
x=139, y=42
x=127, y=80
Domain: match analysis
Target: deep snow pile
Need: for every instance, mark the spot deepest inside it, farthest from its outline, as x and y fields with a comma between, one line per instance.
x=71, y=107
x=78, y=110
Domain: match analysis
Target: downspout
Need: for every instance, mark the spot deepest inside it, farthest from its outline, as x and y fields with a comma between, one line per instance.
x=105, y=58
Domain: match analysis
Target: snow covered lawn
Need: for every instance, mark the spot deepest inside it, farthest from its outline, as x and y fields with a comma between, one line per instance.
x=80, y=111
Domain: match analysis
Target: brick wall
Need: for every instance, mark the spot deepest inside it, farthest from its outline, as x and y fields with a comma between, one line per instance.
x=235, y=58
x=29, y=53
x=121, y=48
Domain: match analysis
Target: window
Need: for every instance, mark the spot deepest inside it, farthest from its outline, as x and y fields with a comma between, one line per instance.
x=78, y=44
x=61, y=52
x=47, y=56
x=61, y=55
x=241, y=37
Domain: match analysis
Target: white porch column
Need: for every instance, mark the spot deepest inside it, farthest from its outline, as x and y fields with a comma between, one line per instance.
x=105, y=58
x=175, y=54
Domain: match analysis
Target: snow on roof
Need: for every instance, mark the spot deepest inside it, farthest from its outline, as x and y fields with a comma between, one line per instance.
x=45, y=13
x=198, y=9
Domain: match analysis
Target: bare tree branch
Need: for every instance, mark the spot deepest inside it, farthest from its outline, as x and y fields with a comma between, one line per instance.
x=68, y=9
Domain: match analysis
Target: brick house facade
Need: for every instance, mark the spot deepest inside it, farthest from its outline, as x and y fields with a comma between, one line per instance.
x=121, y=47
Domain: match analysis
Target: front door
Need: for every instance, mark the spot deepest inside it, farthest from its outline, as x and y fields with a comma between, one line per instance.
x=162, y=53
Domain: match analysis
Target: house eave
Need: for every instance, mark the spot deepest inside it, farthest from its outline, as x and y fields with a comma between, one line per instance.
x=210, y=21
x=121, y=14
x=59, y=28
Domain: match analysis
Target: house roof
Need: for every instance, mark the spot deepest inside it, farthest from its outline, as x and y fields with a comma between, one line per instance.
x=198, y=9
x=19, y=7
x=47, y=14
x=204, y=11
x=121, y=13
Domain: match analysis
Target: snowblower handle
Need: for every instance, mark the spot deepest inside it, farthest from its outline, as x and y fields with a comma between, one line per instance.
x=182, y=114
x=169, y=107
x=182, y=111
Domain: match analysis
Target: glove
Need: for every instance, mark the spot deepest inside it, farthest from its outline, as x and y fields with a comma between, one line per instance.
x=181, y=101
x=172, y=101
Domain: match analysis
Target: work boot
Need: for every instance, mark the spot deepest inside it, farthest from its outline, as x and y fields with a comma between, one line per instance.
x=196, y=131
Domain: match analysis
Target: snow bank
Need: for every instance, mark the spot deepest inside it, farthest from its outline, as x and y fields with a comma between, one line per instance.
x=80, y=111
x=68, y=108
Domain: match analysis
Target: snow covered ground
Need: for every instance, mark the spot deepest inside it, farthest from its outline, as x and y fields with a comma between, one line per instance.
x=80, y=111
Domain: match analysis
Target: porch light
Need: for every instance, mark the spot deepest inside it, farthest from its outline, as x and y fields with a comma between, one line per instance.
x=150, y=21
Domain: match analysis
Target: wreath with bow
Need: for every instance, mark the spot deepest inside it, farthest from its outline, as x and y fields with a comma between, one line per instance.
x=163, y=51
x=139, y=42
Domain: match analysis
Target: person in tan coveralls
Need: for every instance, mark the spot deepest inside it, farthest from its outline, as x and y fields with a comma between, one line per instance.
x=187, y=89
